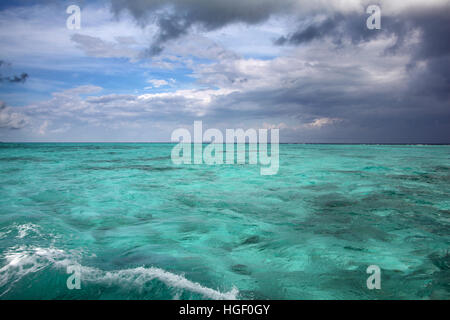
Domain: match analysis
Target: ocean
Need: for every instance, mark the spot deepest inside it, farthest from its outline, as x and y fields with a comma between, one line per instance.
x=121, y=221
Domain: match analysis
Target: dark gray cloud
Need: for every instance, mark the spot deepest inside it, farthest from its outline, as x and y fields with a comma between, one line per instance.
x=12, y=79
x=18, y=79
x=432, y=23
x=176, y=17
x=369, y=115
x=338, y=27
x=422, y=105
x=335, y=80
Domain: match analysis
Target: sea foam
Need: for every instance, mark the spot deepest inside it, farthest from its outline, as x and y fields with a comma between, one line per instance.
x=22, y=260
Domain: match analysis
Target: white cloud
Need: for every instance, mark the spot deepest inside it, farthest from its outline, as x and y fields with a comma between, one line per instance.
x=43, y=128
x=194, y=101
x=156, y=83
x=320, y=122
x=10, y=119
x=96, y=47
x=313, y=73
x=36, y=36
x=236, y=76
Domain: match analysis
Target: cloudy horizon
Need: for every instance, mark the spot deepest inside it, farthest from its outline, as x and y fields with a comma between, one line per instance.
x=136, y=71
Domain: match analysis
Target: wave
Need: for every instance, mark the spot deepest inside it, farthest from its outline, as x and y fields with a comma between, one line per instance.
x=24, y=229
x=23, y=260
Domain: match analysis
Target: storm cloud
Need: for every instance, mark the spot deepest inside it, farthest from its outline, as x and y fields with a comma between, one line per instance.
x=432, y=24
x=175, y=17
x=18, y=79
x=311, y=68
x=12, y=79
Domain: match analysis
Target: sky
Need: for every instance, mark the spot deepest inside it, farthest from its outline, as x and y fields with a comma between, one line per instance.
x=137, y=70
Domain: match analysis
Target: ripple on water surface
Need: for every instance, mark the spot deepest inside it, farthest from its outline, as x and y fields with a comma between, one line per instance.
x=141, y=227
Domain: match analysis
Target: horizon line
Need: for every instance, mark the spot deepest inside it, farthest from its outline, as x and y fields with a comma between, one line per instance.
x=206, y=142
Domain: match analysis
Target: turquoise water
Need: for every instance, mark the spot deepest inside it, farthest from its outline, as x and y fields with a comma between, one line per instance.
x=138, y=227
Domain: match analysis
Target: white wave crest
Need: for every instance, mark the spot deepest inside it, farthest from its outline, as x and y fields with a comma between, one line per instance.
x=24, y=260
x=24, y=229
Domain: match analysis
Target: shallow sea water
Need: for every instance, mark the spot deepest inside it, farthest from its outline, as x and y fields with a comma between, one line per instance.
x=139, y=227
